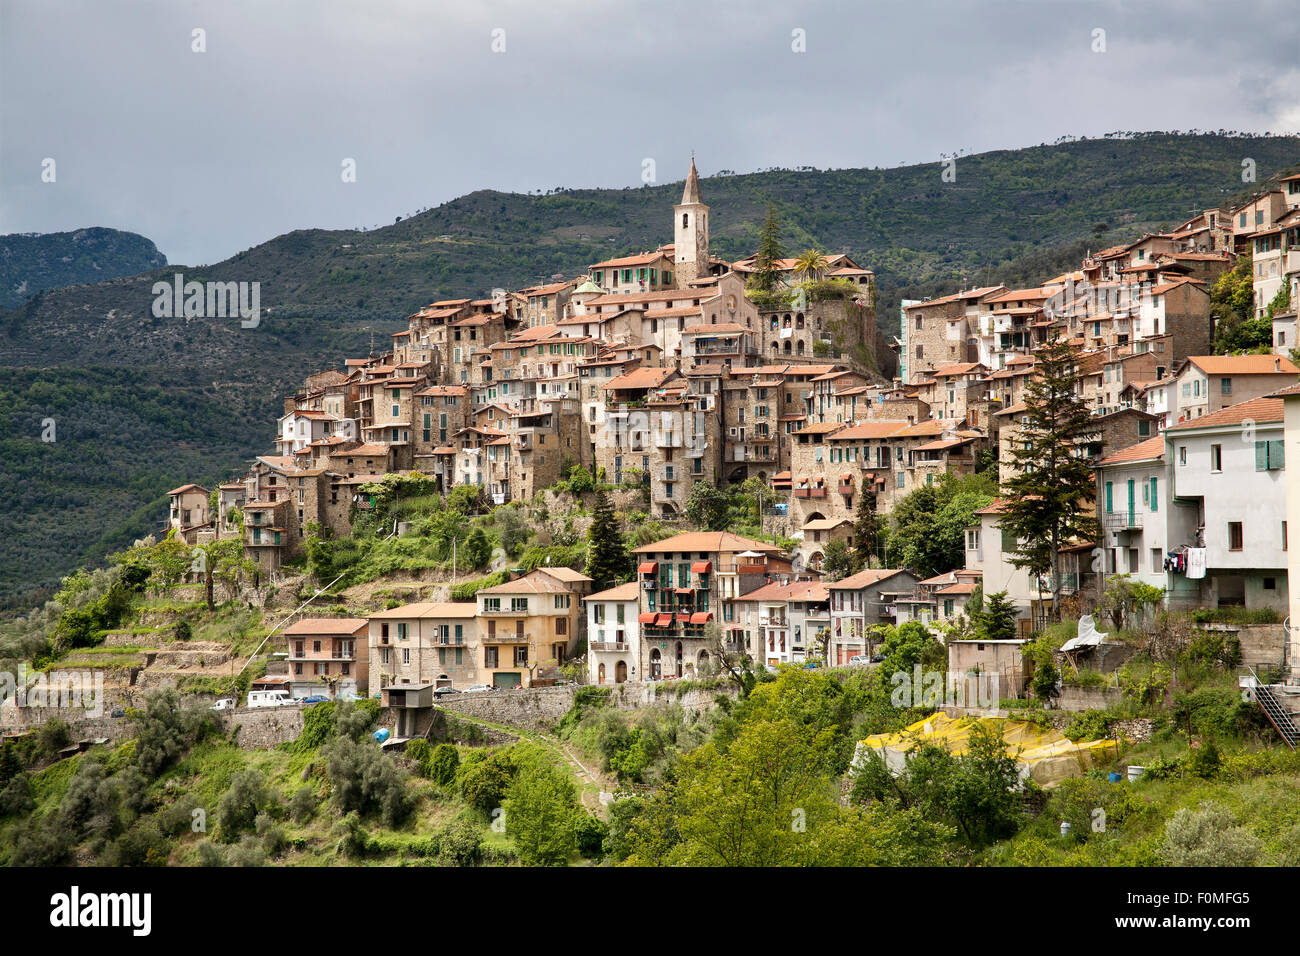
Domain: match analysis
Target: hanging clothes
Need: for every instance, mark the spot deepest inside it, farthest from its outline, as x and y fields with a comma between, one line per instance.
x=1195, y=563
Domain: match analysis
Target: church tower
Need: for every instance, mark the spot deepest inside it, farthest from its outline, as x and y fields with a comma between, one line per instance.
x=690, y=233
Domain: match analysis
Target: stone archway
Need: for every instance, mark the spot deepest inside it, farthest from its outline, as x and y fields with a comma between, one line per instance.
x=620, y=672
x=656, y=665
x=600, y=673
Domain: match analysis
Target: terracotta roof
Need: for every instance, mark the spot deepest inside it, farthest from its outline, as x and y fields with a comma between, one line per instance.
x=326, y=625
x=647, y=376
x=868, y=430
x=864, y=579
x=1243, y=364
x=825, y=524
x=624, y=592
x=530, y=583
x=430, y=609
x=184, y=488
x=561, y=573
x=727, y=328
x=707, y=542
x=1152, y=449
x=794, y=591
x=1259, y=410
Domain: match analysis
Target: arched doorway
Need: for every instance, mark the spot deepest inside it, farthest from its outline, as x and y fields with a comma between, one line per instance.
x=656, y=665
x=600, y=673
x=679, y=658
x=620, y=672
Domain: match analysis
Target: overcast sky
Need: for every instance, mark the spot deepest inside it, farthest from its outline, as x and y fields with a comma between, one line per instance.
x=210, y=153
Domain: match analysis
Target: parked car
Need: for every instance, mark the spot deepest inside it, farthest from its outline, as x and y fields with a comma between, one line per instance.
x=479, y=689
x=878, y=659
x=225, y=703
x=859, y=660
x=314, y=699
x=119, y=712
x=444, y=691
x=270, y=698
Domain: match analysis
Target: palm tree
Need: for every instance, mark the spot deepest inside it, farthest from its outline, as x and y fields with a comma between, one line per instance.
x=811, y=264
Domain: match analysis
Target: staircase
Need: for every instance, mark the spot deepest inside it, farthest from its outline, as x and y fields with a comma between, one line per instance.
x=1279, y=717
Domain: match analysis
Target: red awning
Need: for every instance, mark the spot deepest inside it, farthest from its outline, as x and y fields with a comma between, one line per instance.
x=683, y=619
x=702, y=567
x=685, y=591
x=663, y=620
x=648, y=567
x=846, y=477
x=646, y=618
x=701, y=617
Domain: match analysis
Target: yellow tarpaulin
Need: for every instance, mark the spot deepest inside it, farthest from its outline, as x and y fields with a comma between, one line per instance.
x=1045, y=755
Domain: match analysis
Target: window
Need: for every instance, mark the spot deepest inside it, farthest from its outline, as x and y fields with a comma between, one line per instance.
x=1270, y=584
x=1284, y=536
x=1216, y=458
x=1182, y=454
x=1269, y=456
x=1110, y=497
x=1144, y=428
x=1225, y=386
x=1154, y=494
x=1234, y=536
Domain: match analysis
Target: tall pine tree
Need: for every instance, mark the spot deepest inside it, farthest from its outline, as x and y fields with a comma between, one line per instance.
x=607, y=559
x=766, y=273
x=866, y=524
x=1048, y=500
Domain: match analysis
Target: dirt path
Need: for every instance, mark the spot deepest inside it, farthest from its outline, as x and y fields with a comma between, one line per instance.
x=594, y=791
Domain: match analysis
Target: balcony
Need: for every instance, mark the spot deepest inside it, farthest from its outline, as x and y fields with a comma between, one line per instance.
x=846, y=488
x=817, y=492
x=507, y=637
x=1122, y=521
x=616, y=646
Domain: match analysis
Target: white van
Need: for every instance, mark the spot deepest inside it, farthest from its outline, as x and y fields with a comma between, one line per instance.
x=270, y=698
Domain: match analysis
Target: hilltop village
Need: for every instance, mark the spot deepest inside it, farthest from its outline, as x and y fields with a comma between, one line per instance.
x=672, y=367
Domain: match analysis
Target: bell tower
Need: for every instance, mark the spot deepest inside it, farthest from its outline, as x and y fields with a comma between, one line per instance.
x=690, y=233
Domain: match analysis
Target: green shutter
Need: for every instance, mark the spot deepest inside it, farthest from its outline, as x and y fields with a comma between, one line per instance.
x=1261, y=456
x=1109, y=497
x=1276, y=455
x=1155, y=499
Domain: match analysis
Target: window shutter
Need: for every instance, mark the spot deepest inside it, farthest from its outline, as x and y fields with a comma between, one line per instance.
x=1155, y=498
x=1261, y=456
x=1109, y=497
x=1276, y=454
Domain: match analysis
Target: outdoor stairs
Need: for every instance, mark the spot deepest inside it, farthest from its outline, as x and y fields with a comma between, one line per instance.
x=1277, y=715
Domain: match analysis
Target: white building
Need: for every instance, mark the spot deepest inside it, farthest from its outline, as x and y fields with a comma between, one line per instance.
x=613, y=636
x=1134, y=510
x=1229, y=471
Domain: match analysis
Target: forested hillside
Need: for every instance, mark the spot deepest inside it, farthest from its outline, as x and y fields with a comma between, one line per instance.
x=143, y=403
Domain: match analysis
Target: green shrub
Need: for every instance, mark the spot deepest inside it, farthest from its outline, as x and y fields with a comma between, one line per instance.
x=443, y=764
x=1207, y=836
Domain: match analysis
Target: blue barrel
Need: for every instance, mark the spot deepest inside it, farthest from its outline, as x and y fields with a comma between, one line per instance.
x=1114, y=777
x=381, y=734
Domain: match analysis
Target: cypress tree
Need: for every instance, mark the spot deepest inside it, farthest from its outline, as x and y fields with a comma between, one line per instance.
x=607, y=557
x=1048, y=499
x=769, y=251
x=866, y=523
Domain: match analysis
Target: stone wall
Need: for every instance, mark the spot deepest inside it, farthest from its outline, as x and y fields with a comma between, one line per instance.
x=540, y=708
x=534, y=708
x=1074, y=699
x=264, y=727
